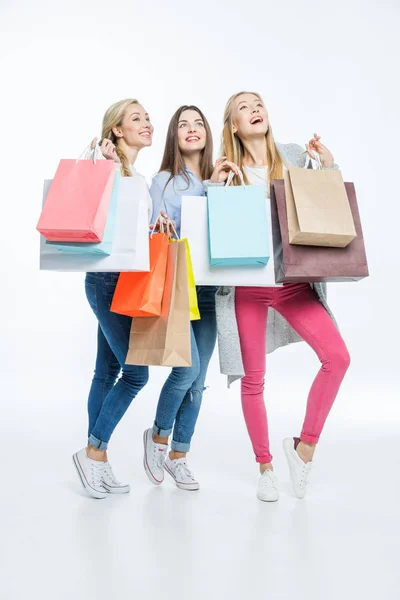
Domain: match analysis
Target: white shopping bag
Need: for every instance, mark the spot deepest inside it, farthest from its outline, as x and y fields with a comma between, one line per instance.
x=194, y=226
x=130, y=249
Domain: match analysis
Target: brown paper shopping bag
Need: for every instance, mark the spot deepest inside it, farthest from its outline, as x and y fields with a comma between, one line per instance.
x=165, y=340
x=318, y=209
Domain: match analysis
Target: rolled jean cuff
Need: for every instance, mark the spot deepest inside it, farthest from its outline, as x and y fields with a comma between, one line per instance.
x=309, y=439
x=97, y=443
x=180, y=446
x=264, y=460
x=161, y=432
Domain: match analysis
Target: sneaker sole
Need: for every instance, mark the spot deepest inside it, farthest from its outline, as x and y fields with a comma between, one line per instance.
x=149, y=474
x=116, y=490
x=190, y=487
x=287, y=450
x=88, y=489
x=268, y=499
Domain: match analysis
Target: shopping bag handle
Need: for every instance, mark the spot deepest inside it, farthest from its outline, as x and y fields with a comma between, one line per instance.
x=91, y=153
x=314, y=160
x=232, y=175
x=161, y=219
x=171, y=224
x=164, y=225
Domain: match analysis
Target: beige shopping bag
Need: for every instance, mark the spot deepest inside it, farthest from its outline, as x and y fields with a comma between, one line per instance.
x=165, y=340
x=318, y=208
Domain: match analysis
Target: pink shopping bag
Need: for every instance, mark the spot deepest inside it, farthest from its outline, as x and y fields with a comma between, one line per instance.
x=77, y=204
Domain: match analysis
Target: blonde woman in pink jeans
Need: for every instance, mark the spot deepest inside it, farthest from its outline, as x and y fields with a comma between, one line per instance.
x=251, y=319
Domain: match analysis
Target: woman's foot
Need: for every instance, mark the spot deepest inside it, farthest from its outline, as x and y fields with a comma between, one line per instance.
x=110, y=482
x=90, y=473
x=298, y=468
x=268, y=490
x=304, y=450
x=154, y=457
x=181, y=474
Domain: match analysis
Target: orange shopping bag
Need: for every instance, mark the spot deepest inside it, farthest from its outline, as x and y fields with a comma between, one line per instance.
x=140, y=294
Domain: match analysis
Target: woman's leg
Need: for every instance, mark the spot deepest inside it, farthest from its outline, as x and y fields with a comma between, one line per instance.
x=180, y=402
x=171, y=397
x=251, y=314
x=116, y=329
x=106, y=372
x=173, y=392
x=107, y=402
x=300, y=306
x=205, y=333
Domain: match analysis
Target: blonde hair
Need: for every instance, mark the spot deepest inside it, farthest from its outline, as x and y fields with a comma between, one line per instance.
x=233, y=149
x=113, y=118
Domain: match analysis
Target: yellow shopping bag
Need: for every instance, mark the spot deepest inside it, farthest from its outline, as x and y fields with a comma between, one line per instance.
x=194, y=308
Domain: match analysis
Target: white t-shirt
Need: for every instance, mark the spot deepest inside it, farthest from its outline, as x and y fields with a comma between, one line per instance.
x=259, y=176
x=143, y=185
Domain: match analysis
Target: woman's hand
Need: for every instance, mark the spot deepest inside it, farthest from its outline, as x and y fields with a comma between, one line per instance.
x=107, y=149
x=315, y=146
x=222, y=169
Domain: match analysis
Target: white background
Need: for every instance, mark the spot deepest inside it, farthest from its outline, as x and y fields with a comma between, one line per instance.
x=329, y=67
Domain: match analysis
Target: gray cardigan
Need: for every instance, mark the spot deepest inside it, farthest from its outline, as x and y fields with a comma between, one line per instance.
x=279, y=332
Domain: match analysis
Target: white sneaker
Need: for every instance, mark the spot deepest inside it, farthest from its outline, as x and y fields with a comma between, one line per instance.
x=90, y=473
x=182, y=475
x=268, y=490
x=154, y=457
x=110, y=482
x=299, y=470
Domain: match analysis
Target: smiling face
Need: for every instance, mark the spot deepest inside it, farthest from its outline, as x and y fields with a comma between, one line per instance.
x=135, y=129
x=192, y=134
x=249, y=117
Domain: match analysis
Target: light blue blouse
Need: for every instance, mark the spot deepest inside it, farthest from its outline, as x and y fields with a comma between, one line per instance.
x=170, y=199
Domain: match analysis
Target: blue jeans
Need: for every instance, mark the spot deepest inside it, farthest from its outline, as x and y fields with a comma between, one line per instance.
x=109, y=399
x=181, y=395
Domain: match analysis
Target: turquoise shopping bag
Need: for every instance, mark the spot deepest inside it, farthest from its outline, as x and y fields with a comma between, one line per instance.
x=104, y=247
x=237, y=225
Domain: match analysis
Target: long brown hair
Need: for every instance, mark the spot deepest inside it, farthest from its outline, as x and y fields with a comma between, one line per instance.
x=113, y=118
x=233, y=149
x=173, y=160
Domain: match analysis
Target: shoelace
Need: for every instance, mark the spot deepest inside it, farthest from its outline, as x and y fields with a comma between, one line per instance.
x=97, y=469
x=109, y=472
x=184, y=470
x=160, y=457
x=267, y=480
x=304, y=472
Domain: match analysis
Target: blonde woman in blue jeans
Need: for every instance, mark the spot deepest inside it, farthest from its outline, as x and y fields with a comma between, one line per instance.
x=126, y=130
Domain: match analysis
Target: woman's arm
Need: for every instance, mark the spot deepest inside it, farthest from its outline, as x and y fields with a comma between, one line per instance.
x=325, y=156
x=295, y=155
x=160, y=208
x=221, y=171
x=107, y=149
x=156, y=193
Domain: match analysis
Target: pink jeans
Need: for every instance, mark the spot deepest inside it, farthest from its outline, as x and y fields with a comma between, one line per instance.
x=300, y=306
